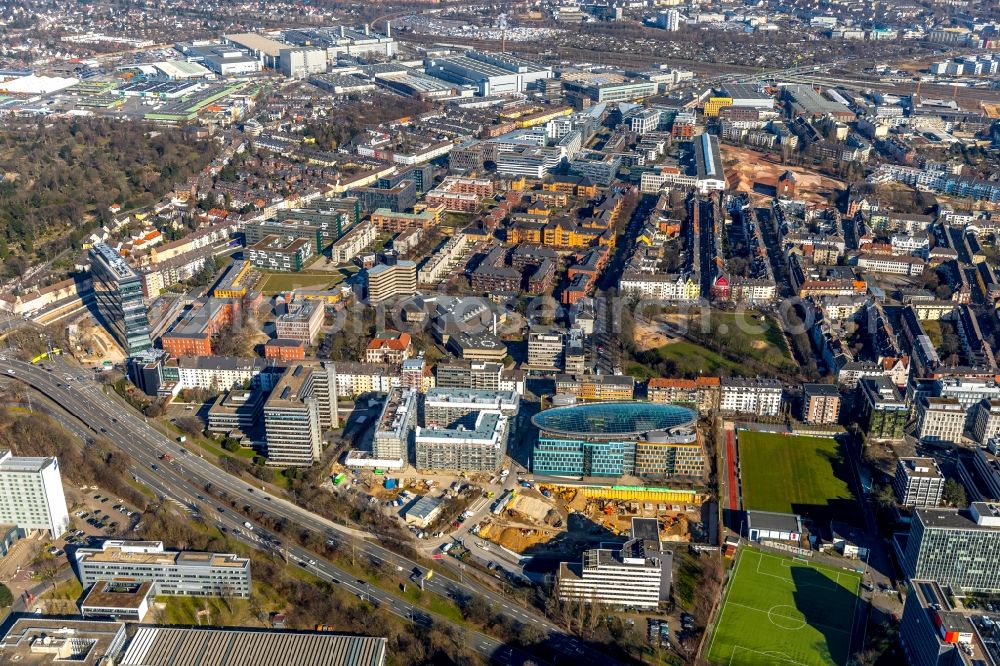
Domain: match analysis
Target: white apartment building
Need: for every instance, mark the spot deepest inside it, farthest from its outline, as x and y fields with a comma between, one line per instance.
x=940, y=420
x=917, y=245
x=637, y=575
x=896, y=265
x=750, y=396
x=440, y=264
x=222, y=372
x=660, y=286
x=353, y=242
x=356, y=378
x=31, y=494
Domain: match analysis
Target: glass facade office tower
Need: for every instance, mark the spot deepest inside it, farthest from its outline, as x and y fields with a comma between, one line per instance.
x=119, y=299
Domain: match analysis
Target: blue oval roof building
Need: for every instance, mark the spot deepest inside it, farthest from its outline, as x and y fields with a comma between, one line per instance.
x=616, y=420
x=646, y=440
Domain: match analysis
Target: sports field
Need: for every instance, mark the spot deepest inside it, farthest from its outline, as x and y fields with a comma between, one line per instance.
x=781, y=610
x=790, y=474
x=272, y=283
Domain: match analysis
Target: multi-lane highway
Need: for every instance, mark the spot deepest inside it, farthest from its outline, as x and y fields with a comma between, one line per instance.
x=185, y=478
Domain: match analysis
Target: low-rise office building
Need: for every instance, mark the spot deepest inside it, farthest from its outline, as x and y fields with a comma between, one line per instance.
x=122, y=601
x=236, y=410
x=172, y=572
x=36, y=640
x=302, y=322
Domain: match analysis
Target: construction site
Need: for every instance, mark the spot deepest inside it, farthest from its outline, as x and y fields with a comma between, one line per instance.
x=550, y=519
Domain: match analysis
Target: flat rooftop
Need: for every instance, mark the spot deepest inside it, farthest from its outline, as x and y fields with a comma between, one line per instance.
x=117, y=552
x=105, y=594
x=70, y=641
x=260, y=43
x=289, y=389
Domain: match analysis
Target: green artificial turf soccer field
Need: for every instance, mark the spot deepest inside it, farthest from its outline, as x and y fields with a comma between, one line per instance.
x=780, y=610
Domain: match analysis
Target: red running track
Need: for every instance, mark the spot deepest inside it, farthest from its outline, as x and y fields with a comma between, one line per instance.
x=731, y=472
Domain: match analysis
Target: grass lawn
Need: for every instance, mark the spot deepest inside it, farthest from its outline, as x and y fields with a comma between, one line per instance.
x=692, y=359
x=185, y=610
x=272, y=283
x=933, y=329
x=789, y=474
x=781, y=610
x=69, y=590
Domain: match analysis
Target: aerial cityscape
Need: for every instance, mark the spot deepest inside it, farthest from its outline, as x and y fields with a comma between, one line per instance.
x=553, y=333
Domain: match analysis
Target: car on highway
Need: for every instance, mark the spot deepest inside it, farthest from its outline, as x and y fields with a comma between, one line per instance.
x=247, y=525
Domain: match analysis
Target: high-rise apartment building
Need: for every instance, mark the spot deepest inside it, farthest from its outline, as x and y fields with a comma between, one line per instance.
x=387, y=281
x=31, y=494
x=394, y=430
x=292, y=426
x=119, y=299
